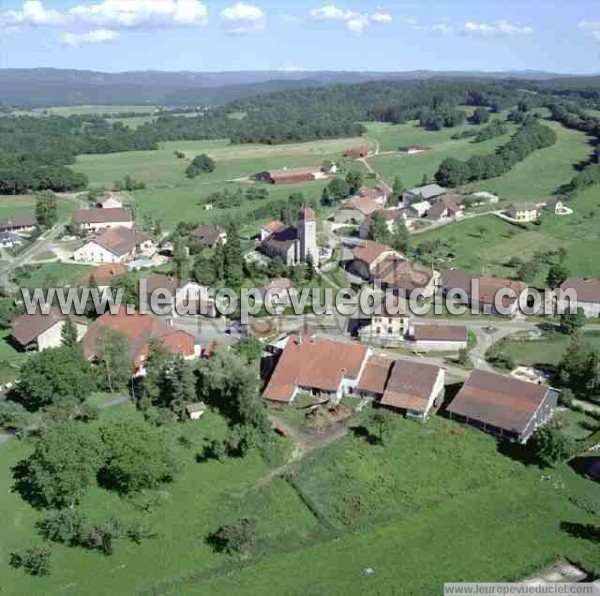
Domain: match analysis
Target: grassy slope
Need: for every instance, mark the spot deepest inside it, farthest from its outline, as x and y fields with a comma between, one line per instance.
x=172, y=197
x=540, y=174
x=544, y=352
x=53, y=275
x=25, y=205
x=203, y=497
x=579, y=234
x=502, y=531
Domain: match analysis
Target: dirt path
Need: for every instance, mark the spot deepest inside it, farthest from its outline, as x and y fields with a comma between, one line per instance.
x=304, y=443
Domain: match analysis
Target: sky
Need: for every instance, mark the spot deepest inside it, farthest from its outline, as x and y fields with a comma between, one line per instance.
x=295, y=35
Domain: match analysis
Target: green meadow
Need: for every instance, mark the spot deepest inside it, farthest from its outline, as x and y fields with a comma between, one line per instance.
x=439, y=490
x=11, y=205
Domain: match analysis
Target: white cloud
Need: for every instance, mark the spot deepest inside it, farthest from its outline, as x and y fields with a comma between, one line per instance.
x=33, y=13
x=242, y=18
x=591, y=28
x=381, y=16
x=114, y=14
x=497, y=29
x=293, y=68
x=91, y=37
x=328, y=13
x=436, y=27
x=141, y=13
x=356, y=22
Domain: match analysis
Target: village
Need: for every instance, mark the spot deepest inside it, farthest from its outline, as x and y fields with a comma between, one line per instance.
x=308, y=355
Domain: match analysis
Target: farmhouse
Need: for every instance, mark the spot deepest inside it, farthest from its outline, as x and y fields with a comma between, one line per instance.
x=189, y=298
x=116, y=245
x=480, y=292
x=386, y=329
x=367, y=255
x=447, y=338
x=588, y=295
x=210, y=235
x=99, y=219
x=375, y=376
x=19, y=223
x=354, y=211
x=448, y=207
x=524, y=212
x=270, y=228
x=422, y=193
x=390, y=216
x=418, y=209
x=503, y=406
x=291, y=175
x=139, y=330
x=413, y=387
x=38, y=332
x=111, y=200
x=294, y=245
x=103, y=276
x=404, y=277
x=321, y=367
x=378, y=193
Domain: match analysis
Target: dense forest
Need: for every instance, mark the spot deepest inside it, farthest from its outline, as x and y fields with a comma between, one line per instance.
x=35, y=152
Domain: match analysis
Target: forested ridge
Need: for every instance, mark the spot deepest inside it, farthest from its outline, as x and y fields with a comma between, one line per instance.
x=35, y=152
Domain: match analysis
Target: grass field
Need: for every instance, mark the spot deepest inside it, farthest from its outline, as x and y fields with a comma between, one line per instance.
x=353, y=482
x=203, y=497
x=447, y=494
x=544, y=171
x=99, y=110
x=411, y=168
x=54, y=275
x=545, y=352
x=578, y=234
x=11, y=205
x=504, y=531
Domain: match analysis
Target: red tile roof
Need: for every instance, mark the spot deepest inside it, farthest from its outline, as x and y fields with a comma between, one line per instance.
x=105, y=274
x=314, y=364
x=402, y=274
x=498, y=400
x=588, y=290
x=375, y=374
x=440, y=333
x=100, y=216
x=488, y=286
x=274, y=226
x=27, y=328
x=139, y=330
x=120, y=241
x=368, y=251
x=366, y=205
x=410, y=385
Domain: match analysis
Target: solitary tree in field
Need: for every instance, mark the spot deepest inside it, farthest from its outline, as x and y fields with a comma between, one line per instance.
x=552, y=446
x=382, y=422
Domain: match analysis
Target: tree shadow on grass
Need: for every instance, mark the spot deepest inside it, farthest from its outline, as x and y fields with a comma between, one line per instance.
x=520, y=453
x=27, y=490
x=362, y=432
x=585, y=531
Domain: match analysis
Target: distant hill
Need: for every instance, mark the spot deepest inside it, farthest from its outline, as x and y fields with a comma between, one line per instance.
x=46, y=87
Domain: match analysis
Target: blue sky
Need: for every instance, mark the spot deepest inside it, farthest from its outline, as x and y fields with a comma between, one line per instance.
x=216, y=35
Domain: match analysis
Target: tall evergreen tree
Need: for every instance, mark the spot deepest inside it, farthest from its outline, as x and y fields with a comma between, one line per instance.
x=233, y=258
x=68, y=334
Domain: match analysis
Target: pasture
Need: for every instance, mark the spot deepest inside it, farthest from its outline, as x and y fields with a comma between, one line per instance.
x=203, y=497
x=485, y=244
x=545, y=352
x=162, y=168
x=11, y=205
x=411, y=168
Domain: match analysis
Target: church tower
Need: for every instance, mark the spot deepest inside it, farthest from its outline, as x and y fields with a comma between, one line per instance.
x=307, y=234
